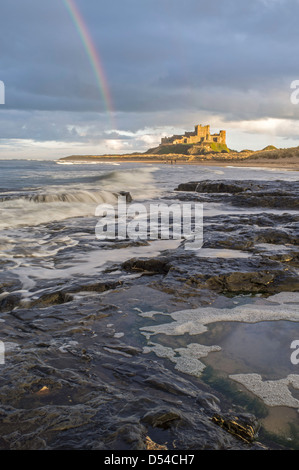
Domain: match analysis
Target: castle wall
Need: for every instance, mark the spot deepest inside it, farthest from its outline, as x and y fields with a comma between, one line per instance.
x=201, y=134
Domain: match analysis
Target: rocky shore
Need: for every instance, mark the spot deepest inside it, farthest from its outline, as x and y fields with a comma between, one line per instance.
x=81, y=374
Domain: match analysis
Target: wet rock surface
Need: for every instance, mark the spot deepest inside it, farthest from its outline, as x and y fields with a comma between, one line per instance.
x=75, y=375
x=70, y=383
x=274, y=194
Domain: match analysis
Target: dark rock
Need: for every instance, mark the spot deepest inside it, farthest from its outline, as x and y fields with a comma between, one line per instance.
x=208, y=401
x=162, y=417
x=54, y=298
x=229, y=275
x=9, y=302
x=155, y=265
x=127, y=194
x=275, y=194
x=64, y=296
x=128, y=436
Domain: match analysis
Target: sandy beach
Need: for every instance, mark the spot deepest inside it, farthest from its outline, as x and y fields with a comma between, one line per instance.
x=277, y=163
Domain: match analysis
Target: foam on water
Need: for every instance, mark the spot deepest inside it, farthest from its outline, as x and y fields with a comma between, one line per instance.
x=89, y=264
x=283, y=306
x=272, y=392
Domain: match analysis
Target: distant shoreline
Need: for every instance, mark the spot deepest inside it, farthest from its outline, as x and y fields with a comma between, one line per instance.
x=277, y=163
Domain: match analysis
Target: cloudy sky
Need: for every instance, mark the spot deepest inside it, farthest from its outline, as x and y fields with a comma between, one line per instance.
x=95, y=76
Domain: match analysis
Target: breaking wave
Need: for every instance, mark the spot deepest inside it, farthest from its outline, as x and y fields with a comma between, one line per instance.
x=74, y=197
x=56, y=203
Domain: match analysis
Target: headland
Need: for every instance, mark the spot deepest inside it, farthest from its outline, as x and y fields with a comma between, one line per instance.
x=200, y=148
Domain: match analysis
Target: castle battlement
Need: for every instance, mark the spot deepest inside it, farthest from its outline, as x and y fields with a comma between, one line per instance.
x=201, y=135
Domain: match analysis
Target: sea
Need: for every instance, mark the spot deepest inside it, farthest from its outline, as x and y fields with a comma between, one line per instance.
x=38, y=192
x=48, y=240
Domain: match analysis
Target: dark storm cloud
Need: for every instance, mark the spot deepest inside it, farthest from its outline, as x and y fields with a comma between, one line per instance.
x=167, y=55
x=154, y=53
x=233, y=58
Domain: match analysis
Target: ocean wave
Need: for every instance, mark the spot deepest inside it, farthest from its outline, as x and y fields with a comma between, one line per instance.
x=74, y=197
x=57, y=203
x=46, y=208
x=85, y=163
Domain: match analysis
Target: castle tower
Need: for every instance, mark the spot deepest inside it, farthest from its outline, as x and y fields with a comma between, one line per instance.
x=202, y=131
x=222, y=137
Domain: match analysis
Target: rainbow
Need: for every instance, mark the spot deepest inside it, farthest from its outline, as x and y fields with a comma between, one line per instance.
x=92, y=54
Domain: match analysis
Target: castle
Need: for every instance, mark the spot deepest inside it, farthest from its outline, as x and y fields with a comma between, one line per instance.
x=201, y=135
